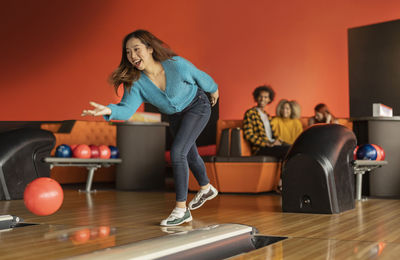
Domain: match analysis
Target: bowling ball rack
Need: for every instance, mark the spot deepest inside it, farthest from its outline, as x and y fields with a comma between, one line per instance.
x=362, y=166
x=91, y=164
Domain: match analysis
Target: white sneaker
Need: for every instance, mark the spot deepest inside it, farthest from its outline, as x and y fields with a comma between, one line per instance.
x=202, y=196
x=177, y=217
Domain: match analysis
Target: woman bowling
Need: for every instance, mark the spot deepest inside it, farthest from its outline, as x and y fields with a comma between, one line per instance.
x=151, y=72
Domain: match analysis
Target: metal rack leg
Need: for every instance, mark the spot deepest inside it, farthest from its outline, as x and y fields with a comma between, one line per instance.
x=358, y=185
x=90, y=178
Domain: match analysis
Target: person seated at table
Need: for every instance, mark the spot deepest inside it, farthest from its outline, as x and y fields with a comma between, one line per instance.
x=286, y=124
x=257, y=128
x=322, y=115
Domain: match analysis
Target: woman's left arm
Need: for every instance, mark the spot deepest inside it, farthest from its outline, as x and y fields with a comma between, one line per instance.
x=203, y=80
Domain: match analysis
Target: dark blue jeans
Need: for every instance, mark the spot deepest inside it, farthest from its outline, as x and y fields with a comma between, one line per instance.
x=186, y=126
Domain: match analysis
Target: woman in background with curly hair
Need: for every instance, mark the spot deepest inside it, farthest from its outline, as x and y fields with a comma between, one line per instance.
x=286, y=124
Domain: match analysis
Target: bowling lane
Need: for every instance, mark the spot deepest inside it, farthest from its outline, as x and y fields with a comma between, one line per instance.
x=88, y=222
x=307, y=248
x=135, y=216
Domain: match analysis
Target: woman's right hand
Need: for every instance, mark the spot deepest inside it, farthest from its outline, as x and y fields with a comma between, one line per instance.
x=99, y=110
x=214, y=98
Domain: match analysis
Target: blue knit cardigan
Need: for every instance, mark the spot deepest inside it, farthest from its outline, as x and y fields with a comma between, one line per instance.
x=182, y=82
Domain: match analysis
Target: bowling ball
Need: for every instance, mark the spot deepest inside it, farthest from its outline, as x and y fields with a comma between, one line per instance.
x=43, y=196
x=381, y=153
x=94, y=151
x=114, y=151
x=105, y=152
x=81, y=236
x=82, y=151
x=104, y=231
x=367, y=152
x=64, y=151
x=73, y=146
x=355, y=153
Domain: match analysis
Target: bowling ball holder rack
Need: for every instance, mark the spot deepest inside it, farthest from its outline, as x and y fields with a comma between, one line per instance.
x=362, y=166
x=91, y=165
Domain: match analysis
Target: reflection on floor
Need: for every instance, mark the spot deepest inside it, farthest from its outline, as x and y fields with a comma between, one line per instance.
x=107, y=218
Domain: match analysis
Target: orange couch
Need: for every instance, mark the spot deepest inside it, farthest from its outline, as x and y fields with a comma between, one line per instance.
x=234, y=169
x=238, y=123
x=82, y=132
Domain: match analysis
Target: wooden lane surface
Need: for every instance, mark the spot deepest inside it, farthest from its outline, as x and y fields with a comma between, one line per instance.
x=308, y=248
x=369, y=231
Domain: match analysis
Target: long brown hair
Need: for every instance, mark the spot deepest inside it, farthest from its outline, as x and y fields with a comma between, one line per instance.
x=126, y=73
x=323, y=109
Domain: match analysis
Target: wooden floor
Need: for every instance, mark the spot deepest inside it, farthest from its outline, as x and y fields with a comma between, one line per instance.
x=370, y=231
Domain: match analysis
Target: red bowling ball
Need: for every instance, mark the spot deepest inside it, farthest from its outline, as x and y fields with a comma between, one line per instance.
x=94, y=151
x=81, y=236
x=73, y=146
x=355, y=153
x=104, y=231
x=380, y=151
x=105, y=152
x=383, y=153
x=82, y=151
x=43, y=196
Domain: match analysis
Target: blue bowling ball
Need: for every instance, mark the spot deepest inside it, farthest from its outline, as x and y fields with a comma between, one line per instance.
x=114, y=151
x=64, y=151
x=367, y=152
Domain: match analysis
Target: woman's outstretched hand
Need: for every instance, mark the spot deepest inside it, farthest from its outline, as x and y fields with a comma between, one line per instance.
x=99, y=110
x=214, y=97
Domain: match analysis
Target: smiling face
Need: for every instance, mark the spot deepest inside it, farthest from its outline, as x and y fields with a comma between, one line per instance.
x=263, y=99
x=138, y=54
x=286, y=110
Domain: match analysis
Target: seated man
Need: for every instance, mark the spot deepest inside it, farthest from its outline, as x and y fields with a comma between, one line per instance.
x=257, y=128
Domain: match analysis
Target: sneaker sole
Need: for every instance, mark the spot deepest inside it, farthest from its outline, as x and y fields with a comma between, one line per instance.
x=209, y=198
x=177, y=224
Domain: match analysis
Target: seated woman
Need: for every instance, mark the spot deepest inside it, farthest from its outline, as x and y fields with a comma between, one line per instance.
x=257, y=129
x=322, y=115
x=286, y=125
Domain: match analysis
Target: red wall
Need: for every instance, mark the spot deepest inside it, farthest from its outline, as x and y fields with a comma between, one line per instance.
x=57, y=55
